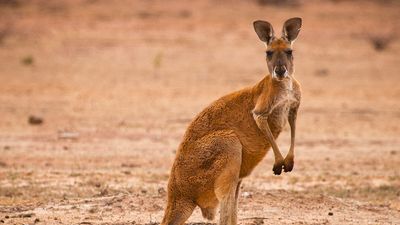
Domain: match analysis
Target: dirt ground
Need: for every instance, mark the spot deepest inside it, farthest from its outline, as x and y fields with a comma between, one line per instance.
x=117, y=82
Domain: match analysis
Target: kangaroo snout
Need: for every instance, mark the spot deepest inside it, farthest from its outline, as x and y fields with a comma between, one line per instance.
x=280, y=71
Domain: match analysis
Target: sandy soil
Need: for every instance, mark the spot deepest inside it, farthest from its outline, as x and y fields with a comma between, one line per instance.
x=116, y=84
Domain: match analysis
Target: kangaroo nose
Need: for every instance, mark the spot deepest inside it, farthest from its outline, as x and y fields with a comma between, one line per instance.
x=280, y=71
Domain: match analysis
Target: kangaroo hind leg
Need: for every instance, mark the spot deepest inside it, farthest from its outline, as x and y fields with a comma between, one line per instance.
x=227, y=184
x=178, y=211
x=228, y=206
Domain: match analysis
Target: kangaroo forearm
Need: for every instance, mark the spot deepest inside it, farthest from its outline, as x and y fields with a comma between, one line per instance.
x=262, y=124
x=292, y=140
x=292, y=122
x=289, y=159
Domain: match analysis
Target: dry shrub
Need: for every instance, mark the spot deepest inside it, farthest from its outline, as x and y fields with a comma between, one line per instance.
x=28, y=61
x=11, y=192
x=10, y=3
x=367, y=193
x=54, y=7
x=3, y=164
x=5, y=32
x=280, y=3
x=361, y=1
x=322, y=72
x=380, y=43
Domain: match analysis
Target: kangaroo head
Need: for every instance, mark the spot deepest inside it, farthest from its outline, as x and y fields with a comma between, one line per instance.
x=279, y=50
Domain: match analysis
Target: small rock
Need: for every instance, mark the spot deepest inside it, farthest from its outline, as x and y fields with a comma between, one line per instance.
x=37, y=220
x=330, y=213
x=161, y=191
x=185, y=13
x=27, y=60
x=322, y=72
x=380, y=43
x=3, y=164
x=126, y=172
x=27, y=215
x=129, y=165
x=68, y=135
x=23, y=215
x=247, y=194
x=93, y=210
x=258, y=221
x=35, y=120
x=103, y=191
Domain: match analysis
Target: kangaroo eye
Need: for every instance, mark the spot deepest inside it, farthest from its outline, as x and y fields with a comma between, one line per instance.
x=269, y=53
x=289, y=52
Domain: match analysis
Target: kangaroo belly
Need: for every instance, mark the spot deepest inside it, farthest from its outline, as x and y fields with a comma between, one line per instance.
x=277, y=119
x=254, y=148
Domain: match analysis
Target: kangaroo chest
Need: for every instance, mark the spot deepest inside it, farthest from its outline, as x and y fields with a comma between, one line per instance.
x=279, y=111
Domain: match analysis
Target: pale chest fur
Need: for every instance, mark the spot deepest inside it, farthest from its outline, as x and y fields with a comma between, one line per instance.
x=279, y=106
x=280, y=109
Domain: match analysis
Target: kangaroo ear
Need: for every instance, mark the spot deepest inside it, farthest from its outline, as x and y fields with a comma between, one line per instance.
x=291, y=29
x=264, y=30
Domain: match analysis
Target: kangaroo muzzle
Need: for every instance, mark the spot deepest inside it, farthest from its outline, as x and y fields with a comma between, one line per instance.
x=280, y=72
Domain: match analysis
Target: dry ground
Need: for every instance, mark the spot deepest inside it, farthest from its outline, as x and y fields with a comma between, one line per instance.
x=117, y=83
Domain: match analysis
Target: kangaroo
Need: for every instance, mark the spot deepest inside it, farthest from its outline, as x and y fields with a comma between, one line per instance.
x=224, y=143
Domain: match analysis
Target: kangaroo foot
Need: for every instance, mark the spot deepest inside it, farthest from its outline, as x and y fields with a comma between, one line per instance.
x=278, y=166
x=288, y=164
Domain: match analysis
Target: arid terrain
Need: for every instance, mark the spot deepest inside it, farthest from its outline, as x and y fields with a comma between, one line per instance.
x=110, y=87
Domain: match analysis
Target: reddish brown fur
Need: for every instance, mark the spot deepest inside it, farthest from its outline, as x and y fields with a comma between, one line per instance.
x=279, y=45
x=223, y=138
x=225, y=142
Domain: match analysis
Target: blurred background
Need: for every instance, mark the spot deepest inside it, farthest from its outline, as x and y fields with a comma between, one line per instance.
x=95, y=96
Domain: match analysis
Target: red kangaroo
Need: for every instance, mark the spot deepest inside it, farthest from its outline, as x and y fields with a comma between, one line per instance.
x=225, y=142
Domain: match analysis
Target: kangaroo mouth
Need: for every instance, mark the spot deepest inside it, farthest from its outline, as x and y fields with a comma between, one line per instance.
x=280, y=73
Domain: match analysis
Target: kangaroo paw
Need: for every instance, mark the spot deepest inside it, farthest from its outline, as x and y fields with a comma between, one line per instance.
x=288, y=165
x=278, y=167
